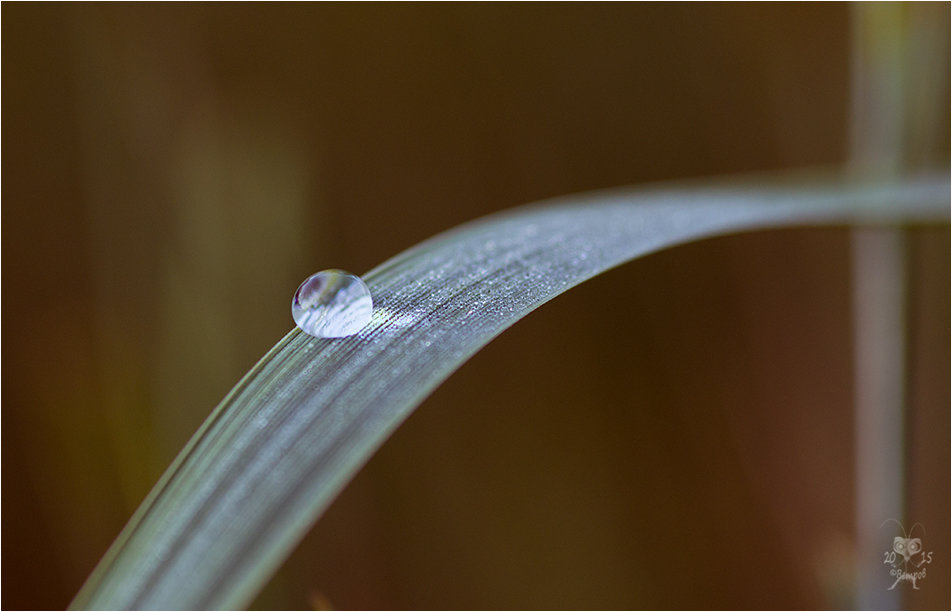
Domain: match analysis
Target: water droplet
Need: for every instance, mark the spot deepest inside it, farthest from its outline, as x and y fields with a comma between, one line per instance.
x=332, y=304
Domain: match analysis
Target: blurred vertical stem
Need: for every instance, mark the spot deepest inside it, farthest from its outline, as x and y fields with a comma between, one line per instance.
x=897, y=105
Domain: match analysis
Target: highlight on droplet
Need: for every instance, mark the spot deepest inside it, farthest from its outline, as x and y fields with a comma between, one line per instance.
x=332, y=304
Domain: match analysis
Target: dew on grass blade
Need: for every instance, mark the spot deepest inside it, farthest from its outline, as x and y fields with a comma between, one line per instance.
x=332, y=304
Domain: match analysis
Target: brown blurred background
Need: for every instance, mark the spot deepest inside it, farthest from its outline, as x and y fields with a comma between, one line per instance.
x=677, y=433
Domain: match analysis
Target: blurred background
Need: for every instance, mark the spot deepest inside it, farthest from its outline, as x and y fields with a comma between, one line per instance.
x=677, y=433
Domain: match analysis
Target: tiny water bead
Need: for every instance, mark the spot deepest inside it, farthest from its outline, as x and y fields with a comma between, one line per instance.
x=332, y=304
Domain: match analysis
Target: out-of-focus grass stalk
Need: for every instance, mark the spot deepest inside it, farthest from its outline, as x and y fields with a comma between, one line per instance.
x=897, y=102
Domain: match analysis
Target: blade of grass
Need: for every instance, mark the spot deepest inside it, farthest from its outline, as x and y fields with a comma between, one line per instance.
x=284, y=442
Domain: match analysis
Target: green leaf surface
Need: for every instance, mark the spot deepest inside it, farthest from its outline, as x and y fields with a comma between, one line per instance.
x=291, y=434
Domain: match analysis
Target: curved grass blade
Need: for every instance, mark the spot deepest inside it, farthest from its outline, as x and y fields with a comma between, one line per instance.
x=284, y=442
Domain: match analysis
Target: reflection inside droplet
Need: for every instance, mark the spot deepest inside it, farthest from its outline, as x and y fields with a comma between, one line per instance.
x=332, y=304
